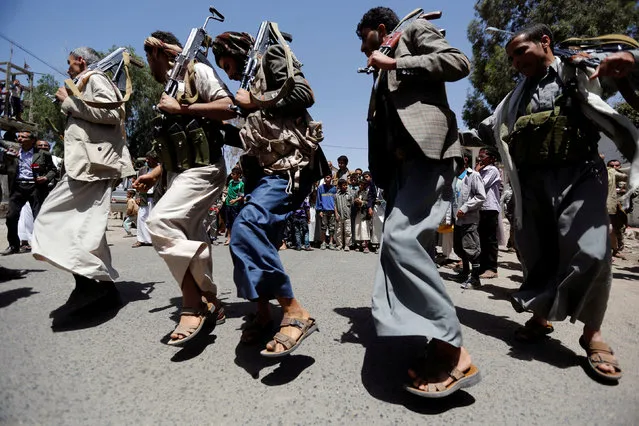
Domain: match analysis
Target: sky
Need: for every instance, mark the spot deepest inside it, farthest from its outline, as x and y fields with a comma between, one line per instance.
x=324, y=40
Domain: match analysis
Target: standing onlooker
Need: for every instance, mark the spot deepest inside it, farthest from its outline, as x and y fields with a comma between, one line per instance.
x=325, y=205
x=234, y=200
x=16, y=100
x=301, y=220
x=489, y=214
x=33, y=172
x=362, y=220
x=147, y=199
x=618, y=218
x=343, y=206
x=342, y=170
x=371, y=202
x=469, y=197
x=131, y=215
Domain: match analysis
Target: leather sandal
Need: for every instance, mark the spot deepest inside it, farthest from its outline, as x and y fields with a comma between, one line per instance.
x=600, y=353
x=190, y=332
x=461, y=380
x=306, y=326
x=254, y=331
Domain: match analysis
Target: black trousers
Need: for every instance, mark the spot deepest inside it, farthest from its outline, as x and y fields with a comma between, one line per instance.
x=21, y=192
x=488, y=221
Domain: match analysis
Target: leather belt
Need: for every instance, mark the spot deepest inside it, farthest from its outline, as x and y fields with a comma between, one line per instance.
x=25, y=181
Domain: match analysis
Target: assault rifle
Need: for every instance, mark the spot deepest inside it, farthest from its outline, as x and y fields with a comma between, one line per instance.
x=589, y=52
x=196, y=47
x=113, y=64
x=390, y=41
x=265, y=39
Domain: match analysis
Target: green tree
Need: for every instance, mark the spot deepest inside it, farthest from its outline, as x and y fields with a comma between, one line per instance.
x=493, y=77
x=628, y=111
x=46, y=113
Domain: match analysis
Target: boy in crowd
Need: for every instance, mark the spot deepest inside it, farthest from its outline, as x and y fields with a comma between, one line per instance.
x=342, y=171
x=325, y=206
x=469, y=197
x=343, y=206
x=234, y=200
x=301, y=220
x=362, y=219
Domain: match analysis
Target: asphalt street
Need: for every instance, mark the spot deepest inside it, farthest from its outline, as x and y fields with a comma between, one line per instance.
x=117, y=369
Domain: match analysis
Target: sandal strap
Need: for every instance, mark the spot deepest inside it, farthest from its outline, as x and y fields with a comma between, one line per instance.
x=456, y=374
x=184, y=330
x=299, y=323
x=599, y=348
x=286, y=341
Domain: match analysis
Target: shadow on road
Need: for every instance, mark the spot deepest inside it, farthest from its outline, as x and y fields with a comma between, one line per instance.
x=95, y=314
x=550, y=351
x=631, y=274
x=386, y=362
x=10, y=296
x=247, y=356
x=496, y=292
x=513, y=266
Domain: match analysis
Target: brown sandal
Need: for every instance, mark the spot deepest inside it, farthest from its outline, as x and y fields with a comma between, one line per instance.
x=306, y=326
x=600, y=353
x=189, y=332
x=438, y=390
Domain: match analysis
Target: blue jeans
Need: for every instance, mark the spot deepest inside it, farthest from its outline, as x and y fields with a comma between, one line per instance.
x=300, y=225
x=257, y=234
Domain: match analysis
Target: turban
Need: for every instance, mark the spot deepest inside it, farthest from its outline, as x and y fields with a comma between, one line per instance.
x=171, y=49
x=232, y=44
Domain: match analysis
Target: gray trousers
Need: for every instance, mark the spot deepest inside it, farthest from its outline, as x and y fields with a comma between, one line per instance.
x=409, y=296
x=564, y=243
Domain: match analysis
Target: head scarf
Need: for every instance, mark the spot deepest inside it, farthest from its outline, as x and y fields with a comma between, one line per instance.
x=232, y=44
x=170, y=49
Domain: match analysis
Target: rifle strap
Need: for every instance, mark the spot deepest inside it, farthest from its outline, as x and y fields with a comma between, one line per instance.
x=75, y=91
x=190, y=90
x=269, y=99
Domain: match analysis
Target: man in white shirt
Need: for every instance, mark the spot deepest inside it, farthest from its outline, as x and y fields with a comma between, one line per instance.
x=176, y=222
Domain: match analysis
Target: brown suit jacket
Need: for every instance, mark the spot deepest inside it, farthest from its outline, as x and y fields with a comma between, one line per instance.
x=425, y=61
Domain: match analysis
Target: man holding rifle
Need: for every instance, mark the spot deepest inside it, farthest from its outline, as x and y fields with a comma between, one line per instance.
x=547, y=131
x=69, y=231
x=282, y=162
x=413, y=148
x=189, y=145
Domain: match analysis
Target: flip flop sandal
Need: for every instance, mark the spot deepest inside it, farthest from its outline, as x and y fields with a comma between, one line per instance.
x=190, y=332
x=460, y=381
x=307, y=327
x=600, y=353
x=533, y=332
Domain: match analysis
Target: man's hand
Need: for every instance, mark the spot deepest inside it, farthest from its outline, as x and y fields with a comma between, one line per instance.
x=616, y=65
x=41, y=179
x=460, y=214
x=321, y=214
x=144, y=182
x=370, y=212
x=61, y=94
x=243, y=100
x=169, y=105
x=336, y=217
x=381, y=61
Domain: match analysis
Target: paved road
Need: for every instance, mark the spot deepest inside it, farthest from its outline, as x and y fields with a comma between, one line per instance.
x=117, y=370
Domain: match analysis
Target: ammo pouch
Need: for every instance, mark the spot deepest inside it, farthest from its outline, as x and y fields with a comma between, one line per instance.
x=184, y=142
x=552, y=138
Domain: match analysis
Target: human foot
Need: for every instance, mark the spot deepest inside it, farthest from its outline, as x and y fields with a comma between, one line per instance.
x=191, y=322
x=293, y=330
x=454, y=371
x=600, y=356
